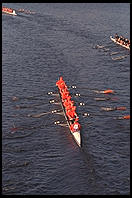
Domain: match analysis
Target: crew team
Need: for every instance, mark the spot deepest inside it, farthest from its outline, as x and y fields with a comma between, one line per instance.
x=122, y=40
x=69, y=106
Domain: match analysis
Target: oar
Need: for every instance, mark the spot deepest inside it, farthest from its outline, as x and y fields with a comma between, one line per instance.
x=14, y=128
x=25, y=11
x=53, y=94
x=103, y=108
x=119, y=57
x=30, y=106
x=113, y=108
x=99, y=115
x=41, y=114
x=102, y=47
x=14, y=98
x=127, y=117
x=60, y=123
x=107, y=91
x=54, y=102
x=113, y=53
x=104, y=99
x=97, y=99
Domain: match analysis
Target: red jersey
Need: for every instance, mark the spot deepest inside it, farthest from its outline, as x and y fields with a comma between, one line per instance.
x=70, y=107
x=70, y=114
x=64, y=95
x=66, y=103
x=61, y=85
x=59, y=81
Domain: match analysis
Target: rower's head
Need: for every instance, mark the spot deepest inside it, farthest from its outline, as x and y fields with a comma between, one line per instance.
x=61, y=79
x=72, y=103
x=69, y=98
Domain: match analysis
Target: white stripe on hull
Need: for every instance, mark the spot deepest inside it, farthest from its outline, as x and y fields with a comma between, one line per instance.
x=11, y=13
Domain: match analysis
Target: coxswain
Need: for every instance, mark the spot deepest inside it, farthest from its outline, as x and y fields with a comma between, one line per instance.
x=75, y=126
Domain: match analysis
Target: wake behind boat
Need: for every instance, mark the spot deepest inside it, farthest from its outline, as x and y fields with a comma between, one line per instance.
x=72, y=124
x=119, y=43
x=8, y=11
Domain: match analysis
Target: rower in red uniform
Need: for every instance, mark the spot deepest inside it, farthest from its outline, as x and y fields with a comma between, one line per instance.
x=59, y=81
x=64, y=90
x=67, y=101
x=71, y=106
x=61, y=87
x=71, y=114
x=75, y=126
x=64, y=95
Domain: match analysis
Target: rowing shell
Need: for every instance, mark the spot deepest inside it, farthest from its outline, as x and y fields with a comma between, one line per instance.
x=11, y=13
x=76, y=135
x=119, y=43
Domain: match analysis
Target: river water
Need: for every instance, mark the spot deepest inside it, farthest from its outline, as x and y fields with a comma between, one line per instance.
x=70, y=40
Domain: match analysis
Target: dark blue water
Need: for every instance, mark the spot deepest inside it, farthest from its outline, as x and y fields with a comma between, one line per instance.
x=64, y=39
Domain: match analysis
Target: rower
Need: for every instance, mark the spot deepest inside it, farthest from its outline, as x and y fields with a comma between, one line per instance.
x=64, y=95
x=75, y=126
x=121, y=39
x=59, y=81
x=71, y=106
x=116, y=36
x=68, y=103
x=61, y=87
x=71, y=115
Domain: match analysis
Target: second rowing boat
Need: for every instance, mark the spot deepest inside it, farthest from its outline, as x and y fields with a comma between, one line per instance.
x=8, y=11
x=114, y=40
